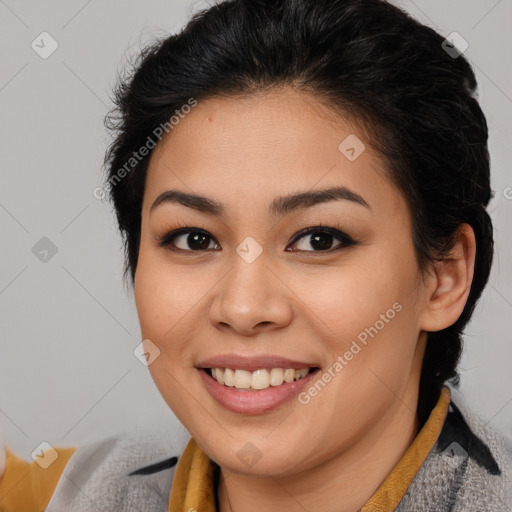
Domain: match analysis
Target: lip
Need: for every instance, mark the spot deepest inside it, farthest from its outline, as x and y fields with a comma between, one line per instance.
x=254, y=402
x=253, y=363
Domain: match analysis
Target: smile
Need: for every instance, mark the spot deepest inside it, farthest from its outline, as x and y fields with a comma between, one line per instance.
x=257, y=380
x=254, y=385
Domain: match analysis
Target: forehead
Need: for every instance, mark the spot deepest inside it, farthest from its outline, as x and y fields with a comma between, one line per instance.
x=247, y=150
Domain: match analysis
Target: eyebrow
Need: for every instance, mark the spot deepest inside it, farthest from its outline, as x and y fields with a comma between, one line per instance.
x=280, y=206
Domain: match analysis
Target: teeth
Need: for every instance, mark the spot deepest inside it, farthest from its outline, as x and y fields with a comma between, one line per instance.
x=276, y=376
x=300, y=373
x=289, y=375
x=229, y=376
x=218, y=375
x=259, y=379
x=242, y=379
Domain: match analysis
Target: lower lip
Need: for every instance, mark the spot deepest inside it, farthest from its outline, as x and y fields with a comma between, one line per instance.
x=254, y=401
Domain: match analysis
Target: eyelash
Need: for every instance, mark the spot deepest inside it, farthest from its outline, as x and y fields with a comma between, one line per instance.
x=346, y=241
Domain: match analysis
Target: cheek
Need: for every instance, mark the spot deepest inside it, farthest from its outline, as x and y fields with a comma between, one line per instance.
x=162, y=299
x=352, y=297
x=366, y=312
x=367, y=321
x=165, y=293
x=165, y=304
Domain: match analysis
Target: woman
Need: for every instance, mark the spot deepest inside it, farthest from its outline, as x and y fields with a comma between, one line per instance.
x=302, y=189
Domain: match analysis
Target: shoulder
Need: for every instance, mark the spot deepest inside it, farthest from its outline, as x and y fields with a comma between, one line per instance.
x=485, y=460
x=469, y=468
x=31, y=484
x=121, y=472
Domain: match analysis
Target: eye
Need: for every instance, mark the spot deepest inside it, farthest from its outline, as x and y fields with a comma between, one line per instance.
x=321, y=239
x=198, y=240
x=190, y=239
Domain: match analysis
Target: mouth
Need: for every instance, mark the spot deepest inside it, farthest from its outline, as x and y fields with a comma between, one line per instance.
x=257, y=380
x=254, y=385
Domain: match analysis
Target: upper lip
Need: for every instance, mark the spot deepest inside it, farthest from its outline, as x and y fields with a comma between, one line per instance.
x=252, y=363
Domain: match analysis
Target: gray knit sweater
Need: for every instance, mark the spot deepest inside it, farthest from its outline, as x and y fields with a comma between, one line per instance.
x=468, y=470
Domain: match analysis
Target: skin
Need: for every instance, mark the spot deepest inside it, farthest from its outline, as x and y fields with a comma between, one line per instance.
x=307, y=305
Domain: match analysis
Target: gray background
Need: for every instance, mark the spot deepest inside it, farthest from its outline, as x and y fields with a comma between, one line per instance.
x=68, y=325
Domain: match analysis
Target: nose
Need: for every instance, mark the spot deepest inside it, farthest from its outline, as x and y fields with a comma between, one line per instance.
x=251, y=298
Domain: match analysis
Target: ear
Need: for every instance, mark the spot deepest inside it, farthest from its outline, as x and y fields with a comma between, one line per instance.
x=449, y=283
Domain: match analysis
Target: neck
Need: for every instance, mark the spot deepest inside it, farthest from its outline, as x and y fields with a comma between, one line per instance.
x=348, y=479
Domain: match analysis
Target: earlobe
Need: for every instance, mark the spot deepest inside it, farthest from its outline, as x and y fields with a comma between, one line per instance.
x=451, y=280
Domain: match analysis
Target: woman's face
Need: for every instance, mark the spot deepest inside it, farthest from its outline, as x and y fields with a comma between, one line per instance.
x=246, y=286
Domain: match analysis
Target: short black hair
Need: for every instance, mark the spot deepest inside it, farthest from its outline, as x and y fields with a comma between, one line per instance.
x=366, y=59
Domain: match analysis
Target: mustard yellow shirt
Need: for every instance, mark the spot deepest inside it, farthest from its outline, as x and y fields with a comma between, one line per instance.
x=27, y=487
